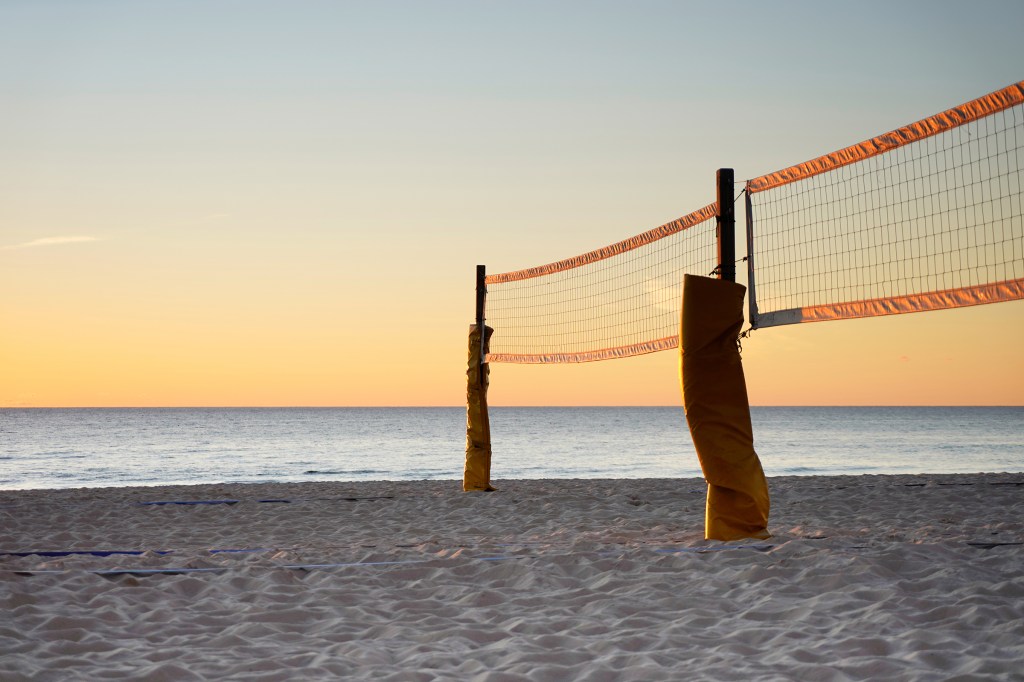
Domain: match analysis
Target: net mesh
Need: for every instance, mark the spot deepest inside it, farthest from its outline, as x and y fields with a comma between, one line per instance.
x=619, y=301
x=926, y=217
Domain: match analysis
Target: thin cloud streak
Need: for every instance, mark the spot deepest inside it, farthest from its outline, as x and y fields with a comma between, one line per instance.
x=51, y=241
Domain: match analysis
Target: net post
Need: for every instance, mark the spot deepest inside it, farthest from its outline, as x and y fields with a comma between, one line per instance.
x=751, y=290
x=481, y=304
x=726, y=227
x=477, y=472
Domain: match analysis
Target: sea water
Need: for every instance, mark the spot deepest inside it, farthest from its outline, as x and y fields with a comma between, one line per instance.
x=61, y=448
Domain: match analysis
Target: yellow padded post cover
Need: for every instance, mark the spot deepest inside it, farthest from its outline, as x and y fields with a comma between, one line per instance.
x=717, y=409
x=477, y=475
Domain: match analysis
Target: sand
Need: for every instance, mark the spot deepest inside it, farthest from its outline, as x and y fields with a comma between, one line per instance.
x=865, y=578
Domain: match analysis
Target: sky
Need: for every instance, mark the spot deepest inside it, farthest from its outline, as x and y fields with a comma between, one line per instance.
x=243, y=202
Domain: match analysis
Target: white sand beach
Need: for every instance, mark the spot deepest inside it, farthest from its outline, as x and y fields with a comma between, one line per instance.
x=865, y=578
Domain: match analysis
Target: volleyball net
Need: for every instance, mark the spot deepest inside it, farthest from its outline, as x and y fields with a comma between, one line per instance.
x=618, y=301
x=925, y=217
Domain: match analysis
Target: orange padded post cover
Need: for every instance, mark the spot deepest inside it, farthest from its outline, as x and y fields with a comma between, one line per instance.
x=717, y=409
x=477, y=475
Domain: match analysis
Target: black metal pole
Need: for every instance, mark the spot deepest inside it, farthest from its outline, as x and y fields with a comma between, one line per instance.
x=726, y=228
x=481, y=301
x=751, y=291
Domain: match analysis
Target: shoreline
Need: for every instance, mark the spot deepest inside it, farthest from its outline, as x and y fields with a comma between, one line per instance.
x=457, y=482
x=900, y=577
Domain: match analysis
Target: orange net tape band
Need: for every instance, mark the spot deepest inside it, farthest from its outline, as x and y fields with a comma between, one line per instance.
x=616, y=249
x=1011, y=290
x=933, y=125
x=627, y=351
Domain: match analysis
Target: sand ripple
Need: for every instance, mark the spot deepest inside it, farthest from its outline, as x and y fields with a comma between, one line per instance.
x=875, y=577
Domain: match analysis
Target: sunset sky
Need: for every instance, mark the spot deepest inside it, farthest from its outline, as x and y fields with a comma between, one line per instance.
x=283, y=203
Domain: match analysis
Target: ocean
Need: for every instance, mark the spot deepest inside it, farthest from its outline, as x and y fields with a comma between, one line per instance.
x=65, y=448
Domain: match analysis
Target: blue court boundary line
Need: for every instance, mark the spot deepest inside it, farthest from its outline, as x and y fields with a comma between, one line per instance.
x=229, y=502
x=141, y=572
x=113, y=572
x=130, y=552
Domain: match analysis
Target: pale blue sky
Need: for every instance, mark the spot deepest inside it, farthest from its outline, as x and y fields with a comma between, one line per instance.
x=300, y=163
